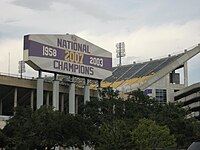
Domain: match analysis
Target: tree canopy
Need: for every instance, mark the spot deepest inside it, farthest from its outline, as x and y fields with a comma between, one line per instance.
x=114, y=135
x=109, y=123
x=148, y=135
x=45, y=128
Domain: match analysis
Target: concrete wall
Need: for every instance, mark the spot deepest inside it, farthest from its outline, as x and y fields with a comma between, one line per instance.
x=164, y=83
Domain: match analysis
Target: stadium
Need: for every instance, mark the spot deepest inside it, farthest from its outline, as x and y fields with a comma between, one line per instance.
x=164, y=79
x=159, y=78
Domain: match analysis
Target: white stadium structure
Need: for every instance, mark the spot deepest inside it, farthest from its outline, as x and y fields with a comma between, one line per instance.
x=158, y=78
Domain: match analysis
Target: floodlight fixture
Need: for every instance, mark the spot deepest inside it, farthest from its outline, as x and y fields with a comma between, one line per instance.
x=120, y=50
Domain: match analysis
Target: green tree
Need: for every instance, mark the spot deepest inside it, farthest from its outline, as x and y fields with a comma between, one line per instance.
x=138, y=106
x=99, y=112
x=76, y=132
x=45, y=129
x=111, y=107
x=148, y=136
x=101, y=123
x=17, y=128
x=114, y=135
x=171, y=115
x=185, y=130
x=3, y=139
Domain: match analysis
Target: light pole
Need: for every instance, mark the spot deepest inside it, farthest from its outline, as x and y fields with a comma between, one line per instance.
x=120, y=50
x=21, y=68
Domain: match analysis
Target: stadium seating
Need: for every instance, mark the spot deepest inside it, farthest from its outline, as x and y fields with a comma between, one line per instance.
x=136, y=73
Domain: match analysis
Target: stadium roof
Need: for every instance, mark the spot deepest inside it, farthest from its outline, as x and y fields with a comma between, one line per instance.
x=142, y=75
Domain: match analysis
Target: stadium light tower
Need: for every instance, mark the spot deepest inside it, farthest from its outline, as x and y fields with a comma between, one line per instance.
x=21, y=67
x=120, y=49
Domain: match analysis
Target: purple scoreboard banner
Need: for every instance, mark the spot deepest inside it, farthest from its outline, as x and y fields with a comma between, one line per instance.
x=67, y=54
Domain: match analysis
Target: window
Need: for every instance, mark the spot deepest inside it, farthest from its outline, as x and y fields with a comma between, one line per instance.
x=161, y=95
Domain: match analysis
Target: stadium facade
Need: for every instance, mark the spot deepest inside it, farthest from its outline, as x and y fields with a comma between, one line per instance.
x=151, y=76
x=166, y=79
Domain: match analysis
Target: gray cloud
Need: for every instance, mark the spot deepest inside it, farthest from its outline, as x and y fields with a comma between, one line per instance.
x=156, y=12
x=102, y=10
x=8, y=30
x=137, y=12
x=8, y=21
x=34, y=4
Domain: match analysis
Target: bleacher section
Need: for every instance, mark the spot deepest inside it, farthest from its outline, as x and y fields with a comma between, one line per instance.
x=131, y=74
x=118, y=72
x=167, y=61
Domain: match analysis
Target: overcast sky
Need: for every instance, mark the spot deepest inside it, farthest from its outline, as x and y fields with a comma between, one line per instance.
x=149, y=28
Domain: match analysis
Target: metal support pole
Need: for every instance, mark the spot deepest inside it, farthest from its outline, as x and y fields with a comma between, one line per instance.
x=15, y=98
x=39, y=74
x=120, y=60
x=186, y=74
x=47, y=99
x=62, y=102
x=76, y=103
x=21, y=70
x=86, y=91
x=55, y=93
x=1, y=107
x=72, y=97
x=40, y=82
